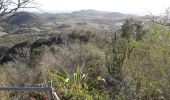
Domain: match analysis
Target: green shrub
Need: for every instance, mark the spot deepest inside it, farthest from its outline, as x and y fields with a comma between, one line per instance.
x=79, y=87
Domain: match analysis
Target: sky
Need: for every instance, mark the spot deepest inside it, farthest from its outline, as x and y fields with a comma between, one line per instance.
x=139, y=7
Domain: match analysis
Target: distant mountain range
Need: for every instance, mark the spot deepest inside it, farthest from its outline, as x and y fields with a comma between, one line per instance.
x=95, y=13
x=24, y=18
x=90, y=14
x=28, y=18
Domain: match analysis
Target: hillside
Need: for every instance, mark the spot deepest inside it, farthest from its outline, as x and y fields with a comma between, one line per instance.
x=24, y=18
x=87, y=54
x=42, y=25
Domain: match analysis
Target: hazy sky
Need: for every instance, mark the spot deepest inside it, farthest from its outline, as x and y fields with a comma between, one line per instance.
x=126, y=6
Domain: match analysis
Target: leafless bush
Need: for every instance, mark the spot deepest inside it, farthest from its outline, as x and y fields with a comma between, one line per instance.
x=22, y=54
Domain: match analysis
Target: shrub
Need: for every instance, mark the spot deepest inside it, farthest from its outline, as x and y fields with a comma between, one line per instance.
x=79, y=87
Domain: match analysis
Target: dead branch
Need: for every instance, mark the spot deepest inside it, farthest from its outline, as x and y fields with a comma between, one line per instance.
x=11, y=7
x=163, y=19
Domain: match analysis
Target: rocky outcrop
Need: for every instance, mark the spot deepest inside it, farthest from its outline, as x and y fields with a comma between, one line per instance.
x=15, y=50
x=3, y=51
x=47, y=42
x=23, y=50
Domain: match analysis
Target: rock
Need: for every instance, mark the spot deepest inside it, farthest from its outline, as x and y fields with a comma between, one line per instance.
x=3, y=51
x=18, y=49
x=22, y=51
x=48, y=42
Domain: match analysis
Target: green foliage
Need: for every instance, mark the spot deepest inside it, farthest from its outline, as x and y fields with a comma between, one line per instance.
x=37, y=52
x=140, y=32
x=145, y=72
x=127, y=29
x=132, y=29
x=36, y=56
x=79, y=87
x=120, y=50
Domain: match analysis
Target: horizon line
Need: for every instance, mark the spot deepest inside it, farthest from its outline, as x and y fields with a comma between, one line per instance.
x=71, y=11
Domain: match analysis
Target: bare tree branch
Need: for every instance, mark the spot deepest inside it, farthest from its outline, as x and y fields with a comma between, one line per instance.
x=163, y=19
x=11, y=7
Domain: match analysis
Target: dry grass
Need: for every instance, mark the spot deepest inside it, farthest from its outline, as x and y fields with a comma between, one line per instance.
x=2, y=34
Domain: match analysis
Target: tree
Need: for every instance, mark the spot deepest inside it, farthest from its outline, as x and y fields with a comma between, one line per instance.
x=127, y=29
x=132, y=29
x=9, y=8
x=139, y=31
x=114, y=63
x=163, y=19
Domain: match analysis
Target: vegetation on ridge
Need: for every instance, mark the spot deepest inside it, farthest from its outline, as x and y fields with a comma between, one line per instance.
x=87, y=55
